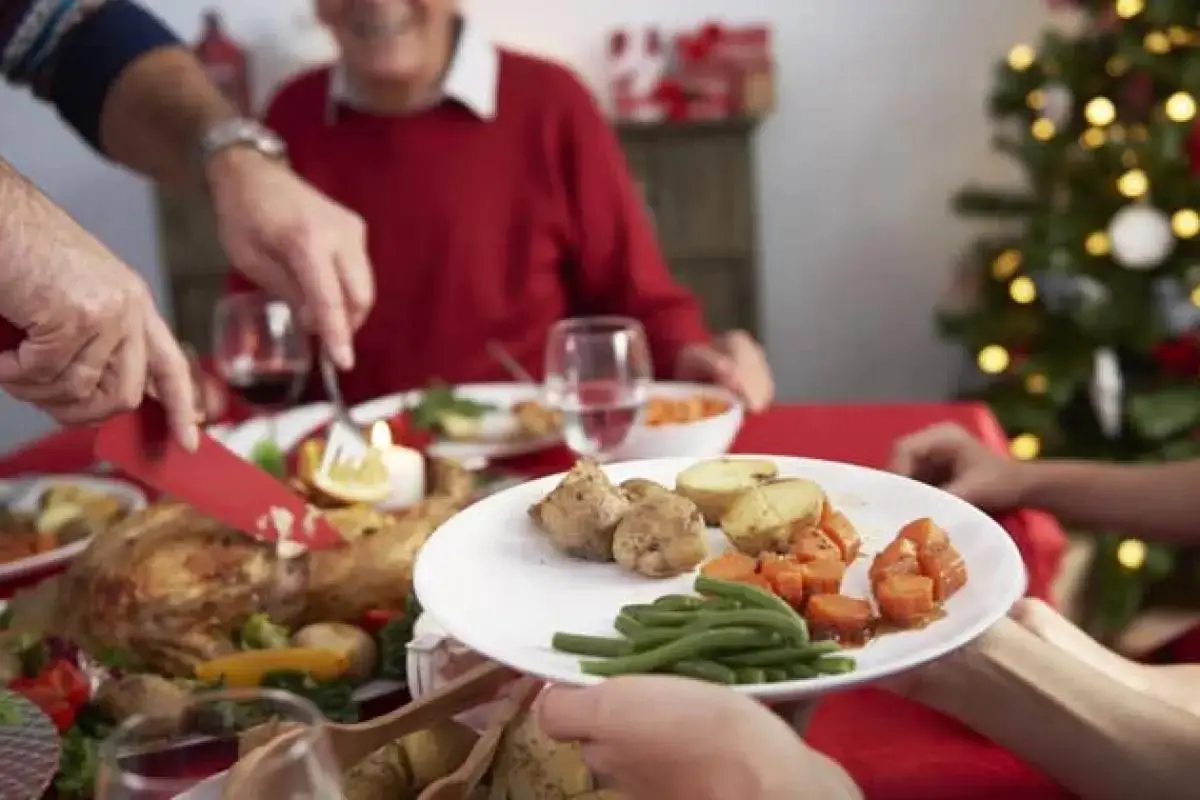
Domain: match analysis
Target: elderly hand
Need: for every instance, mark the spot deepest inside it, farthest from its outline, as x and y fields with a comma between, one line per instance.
x=733, y=360
x=949, y=457
x=652, y=737
x=295, y=243
x=94, y=343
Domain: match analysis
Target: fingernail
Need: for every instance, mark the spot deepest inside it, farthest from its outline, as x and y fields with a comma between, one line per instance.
x=343, y=356
x=191, y=439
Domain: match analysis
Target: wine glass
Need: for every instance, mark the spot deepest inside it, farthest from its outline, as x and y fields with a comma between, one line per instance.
x=598, y=373
x=260, y=351
x=182, y=752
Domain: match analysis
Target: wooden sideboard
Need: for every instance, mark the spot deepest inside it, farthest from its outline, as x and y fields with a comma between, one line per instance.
x=698, y=179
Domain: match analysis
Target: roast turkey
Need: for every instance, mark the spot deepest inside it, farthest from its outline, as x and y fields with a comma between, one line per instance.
x=172, y=587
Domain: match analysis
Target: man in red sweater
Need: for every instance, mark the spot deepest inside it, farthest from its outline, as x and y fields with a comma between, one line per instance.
x=497, y=202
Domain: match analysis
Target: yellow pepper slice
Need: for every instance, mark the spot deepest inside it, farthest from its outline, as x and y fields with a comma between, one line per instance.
x=245, y=670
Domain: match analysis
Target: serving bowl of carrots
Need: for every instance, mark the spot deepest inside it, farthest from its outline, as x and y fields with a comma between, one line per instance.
x=684, y=419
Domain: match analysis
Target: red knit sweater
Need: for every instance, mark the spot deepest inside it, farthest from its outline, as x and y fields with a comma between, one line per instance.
x=483, y=230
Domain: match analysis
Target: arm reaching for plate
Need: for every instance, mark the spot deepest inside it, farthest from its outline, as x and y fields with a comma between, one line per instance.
x=1155, y=500
x=1066, y=715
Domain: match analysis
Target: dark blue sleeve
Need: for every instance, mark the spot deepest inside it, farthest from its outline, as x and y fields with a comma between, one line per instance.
x=94, y=53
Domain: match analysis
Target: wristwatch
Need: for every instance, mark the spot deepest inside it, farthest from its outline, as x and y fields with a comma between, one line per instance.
x=241, y=132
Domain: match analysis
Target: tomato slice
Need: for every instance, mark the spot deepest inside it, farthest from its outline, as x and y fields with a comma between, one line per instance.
x=374, y=620
x=66, y=679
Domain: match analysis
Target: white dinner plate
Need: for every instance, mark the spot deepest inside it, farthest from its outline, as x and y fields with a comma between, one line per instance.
x=498, y=426
x=496, y=584
x=288, y=429
x=293, y=426
x=23, y=494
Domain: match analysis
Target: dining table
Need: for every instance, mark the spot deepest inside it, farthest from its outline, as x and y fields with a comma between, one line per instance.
x=893, y=748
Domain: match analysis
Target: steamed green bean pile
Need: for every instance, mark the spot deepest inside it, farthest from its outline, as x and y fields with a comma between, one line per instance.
x=730, y=633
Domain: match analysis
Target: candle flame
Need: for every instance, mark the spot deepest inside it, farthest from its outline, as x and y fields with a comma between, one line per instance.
x=381, y=435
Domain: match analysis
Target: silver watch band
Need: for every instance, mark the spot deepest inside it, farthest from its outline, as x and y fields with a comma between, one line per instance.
x=241, y=132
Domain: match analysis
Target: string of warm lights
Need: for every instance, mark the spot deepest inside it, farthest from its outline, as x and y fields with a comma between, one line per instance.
x=1101, y=115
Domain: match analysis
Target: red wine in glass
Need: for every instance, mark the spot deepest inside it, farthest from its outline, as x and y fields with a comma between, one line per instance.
x=269, y=387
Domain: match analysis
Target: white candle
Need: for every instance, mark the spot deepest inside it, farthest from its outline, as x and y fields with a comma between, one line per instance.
x=405, y=469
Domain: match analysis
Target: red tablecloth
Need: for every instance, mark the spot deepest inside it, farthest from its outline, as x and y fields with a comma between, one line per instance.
x=894, y=749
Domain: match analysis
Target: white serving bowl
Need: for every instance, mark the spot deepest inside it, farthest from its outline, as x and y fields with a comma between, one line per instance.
x=706, y=438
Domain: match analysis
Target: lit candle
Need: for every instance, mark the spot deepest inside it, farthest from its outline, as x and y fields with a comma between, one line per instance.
x=405, y=468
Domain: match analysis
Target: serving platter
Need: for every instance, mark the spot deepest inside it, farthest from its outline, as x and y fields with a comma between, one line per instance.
x=523, y=590
x=23, y=494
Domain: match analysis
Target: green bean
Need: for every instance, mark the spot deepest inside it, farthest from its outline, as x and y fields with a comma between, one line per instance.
x=800, y=672
x=776, y=674
x=634, y=609
x=599, y=646
x=685, y=648
x=709, y=671
x=783, y=655
x=792, y=628
x=679, y=602
x=719, y=604
x=744, y=593
x=666, y=619
x=834, y=665
x=649, y=638
x=628, y=626
x=751, y=675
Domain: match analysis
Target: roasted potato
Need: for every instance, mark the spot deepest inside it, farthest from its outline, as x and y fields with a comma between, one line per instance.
x=581, y=513
x=765, y=518
x=383, y=775
x=661, y=536
x=714, y=485
x=164, y=703
x=532, y=766
x=437, y=751
x=341, y=637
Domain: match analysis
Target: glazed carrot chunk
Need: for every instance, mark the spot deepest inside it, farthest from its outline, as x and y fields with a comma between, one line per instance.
x=840, y=530
x=790, y=586
x=771, y=566
x=756, y=580
x=906, y=600
x=947, y=569
x=730, y=566
x=847, y=619
x=823, y=577
x=925, y=534
x=898, y=558
x=826, y=512
x=814, y=546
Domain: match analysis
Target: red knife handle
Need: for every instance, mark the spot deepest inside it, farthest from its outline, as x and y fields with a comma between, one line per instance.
x=10, y=335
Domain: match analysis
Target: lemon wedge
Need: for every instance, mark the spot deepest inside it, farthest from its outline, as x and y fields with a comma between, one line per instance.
x=364, y=481
x=308, y=463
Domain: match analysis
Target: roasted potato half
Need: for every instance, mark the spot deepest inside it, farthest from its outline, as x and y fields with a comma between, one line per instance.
x=714, y=485
x=764, y=518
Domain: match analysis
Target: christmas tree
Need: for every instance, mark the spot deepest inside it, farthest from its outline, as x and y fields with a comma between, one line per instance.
x=1083, y=315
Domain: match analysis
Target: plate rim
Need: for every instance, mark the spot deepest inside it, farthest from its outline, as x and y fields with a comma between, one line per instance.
x=1010, y=591
x=31, y=564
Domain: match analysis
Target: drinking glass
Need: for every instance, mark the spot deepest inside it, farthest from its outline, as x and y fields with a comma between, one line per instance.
x=598, y=373
x=260, y=351
x=180, y=753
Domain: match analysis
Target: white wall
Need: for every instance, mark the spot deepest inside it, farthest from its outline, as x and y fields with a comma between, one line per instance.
x=880, y=120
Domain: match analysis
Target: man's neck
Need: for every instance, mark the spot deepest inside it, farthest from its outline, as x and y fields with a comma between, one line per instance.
x=422, y=90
